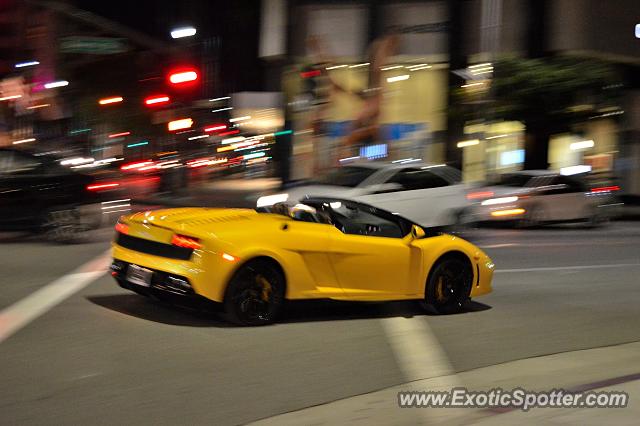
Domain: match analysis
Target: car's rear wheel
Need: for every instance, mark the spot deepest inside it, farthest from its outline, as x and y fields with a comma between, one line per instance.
x=449, y=284
x=255, y=294
x=597, y=218
x=63, y=225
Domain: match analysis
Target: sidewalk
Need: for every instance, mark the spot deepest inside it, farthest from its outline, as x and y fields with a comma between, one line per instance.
x=591, y=369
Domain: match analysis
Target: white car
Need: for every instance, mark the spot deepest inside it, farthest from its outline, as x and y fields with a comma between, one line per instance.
x=430, y=195
x=535, y=197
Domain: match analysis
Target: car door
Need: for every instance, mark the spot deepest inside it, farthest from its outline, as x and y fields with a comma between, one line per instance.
x=564, y=199
x=308, y=243
x=573, y=203
x=420, y=195
x=369, y=255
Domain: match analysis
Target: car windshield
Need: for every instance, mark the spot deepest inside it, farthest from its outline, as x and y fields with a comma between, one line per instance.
x=350, y=176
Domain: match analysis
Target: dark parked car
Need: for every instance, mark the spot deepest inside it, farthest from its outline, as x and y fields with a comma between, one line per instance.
x=40, y=195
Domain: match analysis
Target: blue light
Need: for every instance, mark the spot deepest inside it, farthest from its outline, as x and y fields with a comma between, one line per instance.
x=512, y=157
x=133, y=145
x=372, y=152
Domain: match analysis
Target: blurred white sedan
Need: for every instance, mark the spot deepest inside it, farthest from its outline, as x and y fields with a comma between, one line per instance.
x=430, y=195
x=535, y=197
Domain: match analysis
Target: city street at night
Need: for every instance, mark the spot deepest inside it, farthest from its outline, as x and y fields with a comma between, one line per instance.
x=98, y=353
x=320, y=212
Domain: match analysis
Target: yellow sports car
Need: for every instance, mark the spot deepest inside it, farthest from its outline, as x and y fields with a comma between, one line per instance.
x=250, y=261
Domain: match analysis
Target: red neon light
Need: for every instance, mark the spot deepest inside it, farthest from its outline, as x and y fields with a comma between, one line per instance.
x=99, y=186
x=606, y=189
x=309, y=74
x=477, y=195
x=230, y=132
x=215, y=127
x=117, y=135
x=136, y=165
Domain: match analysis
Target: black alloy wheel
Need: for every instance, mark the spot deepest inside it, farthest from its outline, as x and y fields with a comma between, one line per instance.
x=255, y=294
x=63, y=225
x=449, y=285
x=533, y=217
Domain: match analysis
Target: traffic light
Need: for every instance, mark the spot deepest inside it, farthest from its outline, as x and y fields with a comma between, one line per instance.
x=183, y=77
x=315, y=83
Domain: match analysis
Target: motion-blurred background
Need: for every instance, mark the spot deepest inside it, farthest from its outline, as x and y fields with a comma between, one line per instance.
x=162, y=97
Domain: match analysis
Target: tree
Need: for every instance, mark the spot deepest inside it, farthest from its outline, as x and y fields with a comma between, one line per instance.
x=548, y=95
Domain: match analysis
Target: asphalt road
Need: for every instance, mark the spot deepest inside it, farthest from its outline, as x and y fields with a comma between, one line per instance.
x=106, y=356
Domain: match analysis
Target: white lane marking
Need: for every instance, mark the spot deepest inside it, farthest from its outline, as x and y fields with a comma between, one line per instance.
x=417, y=350
x=21, y=313
x=565, y=244
x=419, y=356
x=564, y=268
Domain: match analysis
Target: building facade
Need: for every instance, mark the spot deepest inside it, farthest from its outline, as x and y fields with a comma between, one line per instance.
x=444, y=46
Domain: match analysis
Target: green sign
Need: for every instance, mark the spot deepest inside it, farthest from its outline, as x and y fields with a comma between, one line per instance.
x=93, y=45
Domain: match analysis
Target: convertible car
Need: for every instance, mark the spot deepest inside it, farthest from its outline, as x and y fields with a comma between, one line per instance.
x=249, y=261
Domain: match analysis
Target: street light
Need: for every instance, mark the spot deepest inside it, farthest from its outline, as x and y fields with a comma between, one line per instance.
x=183, y=123
x=113, y=100
x=54, y=84
x=10, y=97
x=183, y=32
x=27, y=64
x=156, y=100
x=18, y=142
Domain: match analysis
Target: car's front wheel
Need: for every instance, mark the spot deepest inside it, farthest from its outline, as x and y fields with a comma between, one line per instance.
x=449, y=284
x=533, y=217
x=255, y=294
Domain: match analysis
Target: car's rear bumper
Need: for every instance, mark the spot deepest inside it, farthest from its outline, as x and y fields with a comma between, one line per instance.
x=165, y=286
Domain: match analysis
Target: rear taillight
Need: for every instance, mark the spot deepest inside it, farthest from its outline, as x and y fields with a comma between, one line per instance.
x=138, y=165
x=186, y=242
x=602, y=189
x=479, y=195
x=102, y=186
x=122, y=228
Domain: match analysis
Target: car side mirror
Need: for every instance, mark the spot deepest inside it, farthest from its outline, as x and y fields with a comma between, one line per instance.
x=417, y=232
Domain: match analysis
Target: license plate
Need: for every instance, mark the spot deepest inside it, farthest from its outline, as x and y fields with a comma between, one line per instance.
x=139, y=275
